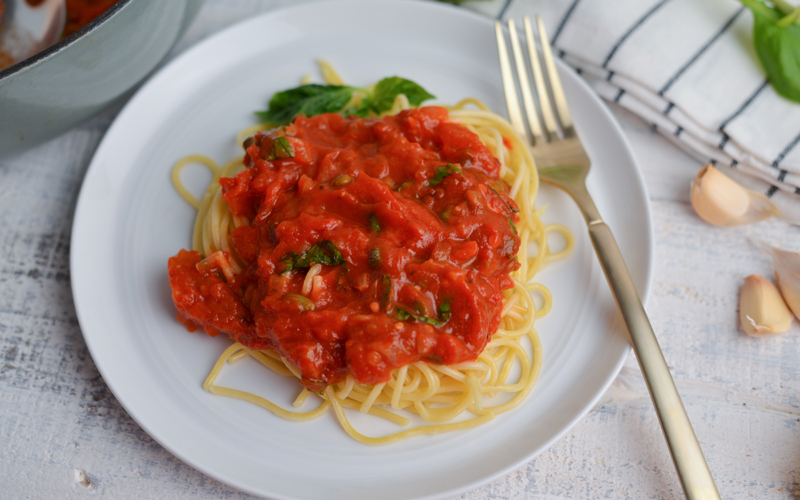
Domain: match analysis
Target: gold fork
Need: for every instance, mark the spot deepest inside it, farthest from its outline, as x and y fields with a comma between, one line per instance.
x=562, y=162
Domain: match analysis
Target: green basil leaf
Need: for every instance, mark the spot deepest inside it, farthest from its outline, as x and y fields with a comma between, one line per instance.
x=324, y=252
x=315, y=99
x=280, y=149
x=444, y=311
x=443, y=172
x=778, y=49
x=361, y=111
x=497, y=187
x=306, y=100
x=444, y=314
x=374, y=225
x=404, y=315
x=387, y=292
x=388, y=89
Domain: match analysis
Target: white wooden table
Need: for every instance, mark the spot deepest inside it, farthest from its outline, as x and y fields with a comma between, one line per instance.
x=58, y=418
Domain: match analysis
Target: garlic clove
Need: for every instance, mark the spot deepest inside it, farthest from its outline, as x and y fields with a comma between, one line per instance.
x=787, y=275
x=762, y=310
x=719, y=200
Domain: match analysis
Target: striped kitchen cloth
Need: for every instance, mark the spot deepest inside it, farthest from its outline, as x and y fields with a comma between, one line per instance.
x=688, y=67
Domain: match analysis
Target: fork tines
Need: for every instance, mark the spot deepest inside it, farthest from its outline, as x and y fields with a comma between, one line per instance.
x=551, y=119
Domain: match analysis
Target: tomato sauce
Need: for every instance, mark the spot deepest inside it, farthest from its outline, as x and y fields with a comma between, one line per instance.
x=79, y=13
x=414, y=232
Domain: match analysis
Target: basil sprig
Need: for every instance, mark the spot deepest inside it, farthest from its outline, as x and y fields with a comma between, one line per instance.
x=324, y=252
x=314, y=99
x=307, y=100
x=776, y=37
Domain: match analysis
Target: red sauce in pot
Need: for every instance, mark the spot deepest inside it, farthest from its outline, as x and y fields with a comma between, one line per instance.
x=82, y=12
x=20, y=44
x=413, y=226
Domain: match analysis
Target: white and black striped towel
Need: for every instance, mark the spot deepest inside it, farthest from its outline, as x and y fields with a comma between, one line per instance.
x=688, y=67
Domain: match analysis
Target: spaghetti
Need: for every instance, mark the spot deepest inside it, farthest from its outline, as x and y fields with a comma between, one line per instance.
x=440, y=393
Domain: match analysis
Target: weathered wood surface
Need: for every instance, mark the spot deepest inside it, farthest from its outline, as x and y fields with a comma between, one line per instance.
x=58, y=420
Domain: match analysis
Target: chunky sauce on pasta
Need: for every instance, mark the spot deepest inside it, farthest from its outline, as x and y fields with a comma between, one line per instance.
x=372, y=244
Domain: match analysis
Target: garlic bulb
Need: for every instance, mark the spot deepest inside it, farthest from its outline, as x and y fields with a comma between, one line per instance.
x=787, y=275
x=719, y=200
x=762, y=310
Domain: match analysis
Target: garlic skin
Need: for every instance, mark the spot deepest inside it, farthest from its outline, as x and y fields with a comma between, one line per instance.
x=719, y=200
x=787, y=275
x=762, y=310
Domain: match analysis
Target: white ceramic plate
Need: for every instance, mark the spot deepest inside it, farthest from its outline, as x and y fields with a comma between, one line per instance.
x=129, y=221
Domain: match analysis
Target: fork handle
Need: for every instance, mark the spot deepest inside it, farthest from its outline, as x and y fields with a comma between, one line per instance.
x=687, y=456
